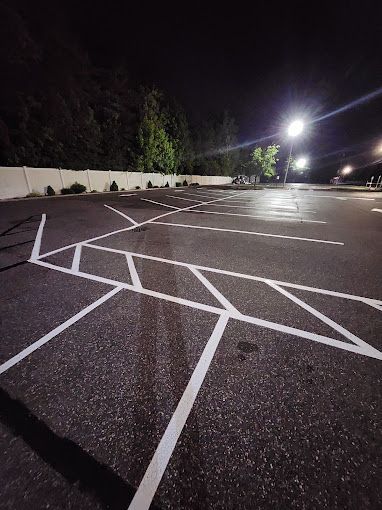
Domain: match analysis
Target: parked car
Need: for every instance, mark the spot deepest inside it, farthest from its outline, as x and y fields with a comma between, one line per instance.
x=240, y=179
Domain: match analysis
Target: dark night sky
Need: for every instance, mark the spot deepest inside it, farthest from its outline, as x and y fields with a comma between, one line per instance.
x=264, y=62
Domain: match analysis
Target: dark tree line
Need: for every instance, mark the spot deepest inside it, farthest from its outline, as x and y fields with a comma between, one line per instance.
x=58, y=110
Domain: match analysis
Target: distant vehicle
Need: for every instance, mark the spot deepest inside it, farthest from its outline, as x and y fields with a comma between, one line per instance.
x=240, y=179
x=336, y=180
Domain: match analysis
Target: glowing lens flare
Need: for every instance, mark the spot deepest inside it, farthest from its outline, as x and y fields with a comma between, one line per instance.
x=295, y=128
x=301, y=163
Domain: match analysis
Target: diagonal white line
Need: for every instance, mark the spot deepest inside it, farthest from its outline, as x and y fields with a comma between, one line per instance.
x=56, y=331
x=103, y=236
x=121, y=214
x=76, y=258
x=376, y=210
x=37, y=242
x=214, y=291
x=133, y=271
x=153, y=475
x=160, y=203
x=247, y=232
x=337, y=327
x=186, y=199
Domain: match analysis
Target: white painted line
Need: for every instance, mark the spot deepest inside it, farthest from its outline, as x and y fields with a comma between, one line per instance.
x=178, y=190
x=160, y=203
x=248, y=232
x=37, y=242
x=203, y=195
x=154, y=473
x=56, y=331
x=237, y=316
x=214, y=291
x=367, y=300
x=121, y=214
x=263, y=208
x=76, y=258
x=377, y=210
x=346, y=198
x=337, y=327
x=133, y=272
x=187, y=199
x=129, y=195
x=103, y=236
x=280, y=218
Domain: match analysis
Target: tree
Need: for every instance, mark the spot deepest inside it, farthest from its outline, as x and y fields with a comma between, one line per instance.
x=157, y=151
x=263, y=161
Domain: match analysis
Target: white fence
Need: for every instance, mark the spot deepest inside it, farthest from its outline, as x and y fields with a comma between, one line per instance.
x=19, y=181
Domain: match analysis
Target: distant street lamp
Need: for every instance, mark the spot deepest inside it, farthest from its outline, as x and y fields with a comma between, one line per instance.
x=294, y=129
x=346, y=170
x=301, y=163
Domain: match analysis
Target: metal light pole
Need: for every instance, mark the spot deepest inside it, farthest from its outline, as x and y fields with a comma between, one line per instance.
x=288, y=164
x=295, y=128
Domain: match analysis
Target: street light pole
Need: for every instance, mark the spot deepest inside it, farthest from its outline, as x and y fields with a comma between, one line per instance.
x=288, y=163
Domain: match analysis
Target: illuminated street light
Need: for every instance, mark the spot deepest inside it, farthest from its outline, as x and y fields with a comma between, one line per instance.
x=301, y=163
x=346, y=170
x=295, y=128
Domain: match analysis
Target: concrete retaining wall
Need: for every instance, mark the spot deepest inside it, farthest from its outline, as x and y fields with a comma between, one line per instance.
x=19, y=181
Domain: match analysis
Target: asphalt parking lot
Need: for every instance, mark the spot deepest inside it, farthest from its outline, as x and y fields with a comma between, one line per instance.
x=191, y=349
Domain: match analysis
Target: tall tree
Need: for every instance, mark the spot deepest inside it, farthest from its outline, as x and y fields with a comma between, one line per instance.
x=263, y=161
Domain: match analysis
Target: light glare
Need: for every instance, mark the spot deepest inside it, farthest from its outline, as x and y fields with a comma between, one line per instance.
x=346, y=170
x=295, y=128
x=301, y=163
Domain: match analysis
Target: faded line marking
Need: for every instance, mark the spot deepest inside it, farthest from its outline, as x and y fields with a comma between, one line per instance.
x=121, y=214
x=129, y=195
x=186, y=199
x=377, y=210
x=154, y=473
x=56, y=331
x=248, y=232
x=37, y=242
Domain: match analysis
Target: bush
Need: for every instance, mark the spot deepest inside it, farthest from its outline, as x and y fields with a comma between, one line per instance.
x=50, y=191
x=94, y=191
x=67, y=191
x=167, y=185
x=77, y=187
x=155, y=186
x=123, y=189
x=113, y=186
x=34, y=194
x=137, y=187
x=149, y=184
x=194, y=184
x=185, y=183
x=178, y=184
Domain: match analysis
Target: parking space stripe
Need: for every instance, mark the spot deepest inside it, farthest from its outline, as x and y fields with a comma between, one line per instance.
x=37, y=242
x=187, y=199
x=121, y=214
x=133, y=272
x=154, y=473
x=56, y=331
x=337, y=327
x=248, y=232
x=214, y=291
x=160, y=203
x=76, y=258
x=279, y=218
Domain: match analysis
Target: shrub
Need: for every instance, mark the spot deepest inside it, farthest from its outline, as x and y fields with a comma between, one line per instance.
x=34, y=194
x=185, y=183
x=113, y=186
x=67, y=191
x=167, y=185
x=178, y=184
x=50, y=191
x=155, y=186
x=77, y=187
x=195, y=184
x=149, y=184
x=137, y=187
x=94, y=191
x=123, y=189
